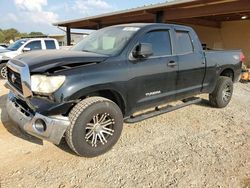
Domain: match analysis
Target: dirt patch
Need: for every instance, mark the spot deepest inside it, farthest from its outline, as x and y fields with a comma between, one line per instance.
x=197, y=146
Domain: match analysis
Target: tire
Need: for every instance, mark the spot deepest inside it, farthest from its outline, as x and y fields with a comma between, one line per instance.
x=3, y=71
x=96, y=125
x=222, y=93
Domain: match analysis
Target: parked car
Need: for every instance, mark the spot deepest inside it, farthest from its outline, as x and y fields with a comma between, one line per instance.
x=3, y=45
x=86, y=93
x=24, y=45
x=3, y=49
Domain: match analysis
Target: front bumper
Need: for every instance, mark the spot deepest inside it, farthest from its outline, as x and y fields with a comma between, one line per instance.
x=54, y=126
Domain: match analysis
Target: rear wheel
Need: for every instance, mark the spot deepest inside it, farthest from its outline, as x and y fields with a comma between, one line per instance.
x=222, y=93
x=3, y=71
x=96, y=125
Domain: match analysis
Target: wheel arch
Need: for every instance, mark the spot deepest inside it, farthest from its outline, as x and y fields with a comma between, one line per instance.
x=110, y=94
x=228, y=72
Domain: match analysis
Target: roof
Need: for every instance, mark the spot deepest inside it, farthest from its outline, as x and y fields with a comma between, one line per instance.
x=37, y=38
x=154, y=6
x=201, y=12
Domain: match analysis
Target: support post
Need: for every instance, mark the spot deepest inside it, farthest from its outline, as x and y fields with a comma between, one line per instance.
x=159, y=17
x=99, y=25
x=68, y=34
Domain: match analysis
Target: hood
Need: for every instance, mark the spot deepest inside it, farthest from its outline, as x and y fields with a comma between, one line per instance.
x=42, y=61
x=9, y=54
x=4, y=50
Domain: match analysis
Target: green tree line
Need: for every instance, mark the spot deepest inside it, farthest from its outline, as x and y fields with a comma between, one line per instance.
x=12, y=34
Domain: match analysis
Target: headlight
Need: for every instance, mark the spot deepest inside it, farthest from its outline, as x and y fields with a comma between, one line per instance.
x=46, y=84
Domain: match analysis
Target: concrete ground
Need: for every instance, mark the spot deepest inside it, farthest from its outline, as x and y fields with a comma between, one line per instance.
x=197, y=146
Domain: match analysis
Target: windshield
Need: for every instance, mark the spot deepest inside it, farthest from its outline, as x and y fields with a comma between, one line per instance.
x=14, y=46
x=107, y=41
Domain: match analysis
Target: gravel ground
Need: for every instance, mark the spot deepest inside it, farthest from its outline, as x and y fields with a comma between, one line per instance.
x=197, y=146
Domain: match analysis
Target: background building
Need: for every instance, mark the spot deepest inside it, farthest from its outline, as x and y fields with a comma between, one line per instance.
x=62, y=39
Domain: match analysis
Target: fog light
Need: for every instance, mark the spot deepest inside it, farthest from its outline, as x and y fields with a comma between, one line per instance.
x=40, y=125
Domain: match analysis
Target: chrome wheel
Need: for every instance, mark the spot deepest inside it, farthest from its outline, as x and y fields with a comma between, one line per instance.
x=99, y=129
x=4, y=72
x=226, y=93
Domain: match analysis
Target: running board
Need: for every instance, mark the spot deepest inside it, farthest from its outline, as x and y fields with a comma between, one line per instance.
x=186, y=102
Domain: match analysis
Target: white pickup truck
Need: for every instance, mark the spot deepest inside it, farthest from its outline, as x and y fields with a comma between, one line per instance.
x=24, y=45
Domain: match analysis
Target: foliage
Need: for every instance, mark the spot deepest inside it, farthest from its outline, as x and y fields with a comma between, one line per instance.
x=12, y=34
x=36, y=34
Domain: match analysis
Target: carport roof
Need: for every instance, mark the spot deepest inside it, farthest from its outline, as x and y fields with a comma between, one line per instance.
x=201, y=12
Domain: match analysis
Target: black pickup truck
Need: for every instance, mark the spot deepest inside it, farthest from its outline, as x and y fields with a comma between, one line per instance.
x=85, y=94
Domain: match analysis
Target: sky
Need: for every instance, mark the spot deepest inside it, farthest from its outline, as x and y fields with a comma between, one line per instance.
x=38, y=15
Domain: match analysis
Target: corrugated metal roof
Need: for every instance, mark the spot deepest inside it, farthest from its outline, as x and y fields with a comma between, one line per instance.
x=148, y=7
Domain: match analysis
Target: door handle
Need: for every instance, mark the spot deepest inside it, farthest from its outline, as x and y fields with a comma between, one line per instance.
x=172, y=64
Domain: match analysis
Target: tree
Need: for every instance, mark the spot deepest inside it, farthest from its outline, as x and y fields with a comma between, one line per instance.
x=36, y=33
x=24, y=35
x=10, y=34
x=1, y=37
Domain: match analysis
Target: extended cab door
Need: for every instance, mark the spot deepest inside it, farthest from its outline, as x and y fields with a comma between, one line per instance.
x=154, y=78
x=191, y=63
x=50, y=44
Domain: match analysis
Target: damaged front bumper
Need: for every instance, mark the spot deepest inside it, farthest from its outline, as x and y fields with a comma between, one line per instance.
x=51, y=128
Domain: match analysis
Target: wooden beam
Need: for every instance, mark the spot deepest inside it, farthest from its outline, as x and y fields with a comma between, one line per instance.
x=208, y=10
x=121, y=16
x=159, y=17
x=198, y=21
x=83, y=24
x=129, y=19
x=124, y=16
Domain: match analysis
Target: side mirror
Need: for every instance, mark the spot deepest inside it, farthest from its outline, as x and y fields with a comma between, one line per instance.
x=26, y=49
x=143, y=50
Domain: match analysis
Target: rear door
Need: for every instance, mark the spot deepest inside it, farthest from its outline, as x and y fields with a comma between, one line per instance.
x=191, y=63
x=154, y=78
x=50, y=44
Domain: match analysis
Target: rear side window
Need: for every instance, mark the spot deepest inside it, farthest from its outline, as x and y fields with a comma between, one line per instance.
x=50, y=44
x=34, y=45
x=184, y=42
x=160, y=41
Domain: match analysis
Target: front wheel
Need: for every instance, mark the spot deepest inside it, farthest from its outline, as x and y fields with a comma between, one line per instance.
x=3, y=71
x=222, y=93
x=96, y=125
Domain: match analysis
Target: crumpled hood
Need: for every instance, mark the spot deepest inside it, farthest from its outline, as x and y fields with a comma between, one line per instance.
x=41, y=61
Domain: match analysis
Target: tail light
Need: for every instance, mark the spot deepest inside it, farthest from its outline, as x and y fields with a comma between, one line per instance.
x=242, y=57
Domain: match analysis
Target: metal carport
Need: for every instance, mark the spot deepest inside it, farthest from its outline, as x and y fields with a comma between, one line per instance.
x=219, y=23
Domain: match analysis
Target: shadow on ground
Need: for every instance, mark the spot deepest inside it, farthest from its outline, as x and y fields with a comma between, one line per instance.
x=13, y=128
x=204, y=103
x=64, y=146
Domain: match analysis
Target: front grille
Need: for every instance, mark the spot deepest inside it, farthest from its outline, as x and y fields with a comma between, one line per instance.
x=23, y=107
x=14, y=79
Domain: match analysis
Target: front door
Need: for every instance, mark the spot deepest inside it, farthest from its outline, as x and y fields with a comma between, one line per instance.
x=154, y=78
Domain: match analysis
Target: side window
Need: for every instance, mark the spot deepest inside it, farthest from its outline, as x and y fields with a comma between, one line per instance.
x=184, y=42
x=34, y=45
x=160, y=41
x=50, y=44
